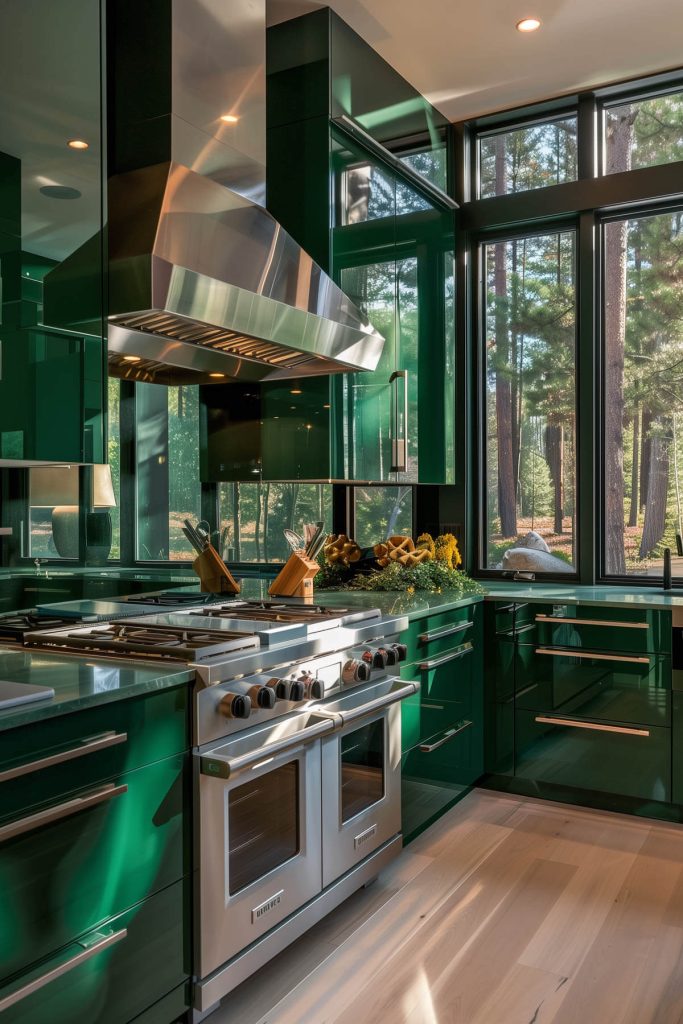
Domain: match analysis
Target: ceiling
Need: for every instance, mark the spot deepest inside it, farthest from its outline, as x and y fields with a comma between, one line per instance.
x=468, y=59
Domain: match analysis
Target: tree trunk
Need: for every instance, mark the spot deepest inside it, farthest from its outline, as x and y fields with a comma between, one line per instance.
x=237, y=538
x=554, y=448
x=645, y=453
x=266, y=503
x=507, y=499
x=616, y=238
x=257, y=523
x=633, y=513
x=658, y=489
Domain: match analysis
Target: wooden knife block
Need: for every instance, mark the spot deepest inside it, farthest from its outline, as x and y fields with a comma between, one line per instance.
x=214, y=574
x=295, y=579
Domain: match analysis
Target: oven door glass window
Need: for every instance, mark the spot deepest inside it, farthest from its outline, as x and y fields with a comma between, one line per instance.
x=362, y=769
x=263, y=825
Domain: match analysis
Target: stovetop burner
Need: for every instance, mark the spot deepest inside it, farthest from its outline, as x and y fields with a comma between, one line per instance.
x=172, y=599
x=15, y=626
x=140, y=640
x=272, y=611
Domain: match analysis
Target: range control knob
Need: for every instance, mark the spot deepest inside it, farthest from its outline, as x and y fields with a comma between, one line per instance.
x=356, y=671
x=235, y=705
x=386, y=656
x=401, y=650
x=290, y=689
x=262, y=696
x=313, y=688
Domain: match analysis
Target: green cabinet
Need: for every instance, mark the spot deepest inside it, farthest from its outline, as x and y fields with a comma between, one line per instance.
x=579, y=699
x=52, y=349
x=442, y=725
x=95, y=861
x=111, y=974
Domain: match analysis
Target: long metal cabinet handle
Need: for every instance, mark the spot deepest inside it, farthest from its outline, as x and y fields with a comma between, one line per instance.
x=425, y=666
x=449, y=735
x=87, y=953
x=510, y=607
x=595, y=726
x=440, y=634
x=407, y=690
x=219, y=767
x=59, y=811
x=593, y=622
x=87, y=746
x=591, y=655
x=399, y=441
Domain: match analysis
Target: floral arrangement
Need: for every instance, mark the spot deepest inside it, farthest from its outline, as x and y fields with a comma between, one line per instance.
x=405, y=565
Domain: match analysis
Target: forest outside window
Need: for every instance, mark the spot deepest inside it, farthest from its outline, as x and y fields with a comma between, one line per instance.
x=643, y=133
x=529, y=157
x=643, y=398
x=529, y=407
x=381, y=512
x=254, y=515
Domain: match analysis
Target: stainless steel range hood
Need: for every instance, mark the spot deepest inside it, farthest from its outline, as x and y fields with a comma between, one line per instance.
x=206, y=285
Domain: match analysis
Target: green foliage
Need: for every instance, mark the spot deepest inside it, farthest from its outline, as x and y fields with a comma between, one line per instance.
x=536, y=490
x=432, y=576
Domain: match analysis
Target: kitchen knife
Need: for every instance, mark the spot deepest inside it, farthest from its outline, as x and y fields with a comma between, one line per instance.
x=314, y=539
x=192, y=541
x=295, y=541
x=197, y=540
x=317, y=544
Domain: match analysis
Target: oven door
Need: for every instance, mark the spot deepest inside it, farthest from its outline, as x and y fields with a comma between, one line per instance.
x=362, y=775
x=260, y=834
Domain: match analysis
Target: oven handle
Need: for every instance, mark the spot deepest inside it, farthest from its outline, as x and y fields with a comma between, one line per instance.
x=218, y=767
x=407, y=689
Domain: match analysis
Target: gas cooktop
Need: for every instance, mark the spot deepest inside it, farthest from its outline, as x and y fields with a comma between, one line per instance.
x=15, y=626
x=144, y=639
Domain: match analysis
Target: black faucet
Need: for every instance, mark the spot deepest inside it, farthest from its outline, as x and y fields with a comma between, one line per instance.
x=666, y=569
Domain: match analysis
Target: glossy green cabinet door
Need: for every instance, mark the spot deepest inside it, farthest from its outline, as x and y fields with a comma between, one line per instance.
x=72, y=862
x=435, y=774
x=112, y=974
x=628, y=761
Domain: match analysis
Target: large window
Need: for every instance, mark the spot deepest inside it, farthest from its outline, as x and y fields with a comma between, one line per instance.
x=114, y=457
x=529, y=341
x=381, y=512
x=168, y=485
x=53, y=512
x=529, y=157
x=643, y=133
x=253, y=517
x=643, y=398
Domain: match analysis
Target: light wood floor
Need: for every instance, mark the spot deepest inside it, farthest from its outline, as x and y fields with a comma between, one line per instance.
x=507, y=911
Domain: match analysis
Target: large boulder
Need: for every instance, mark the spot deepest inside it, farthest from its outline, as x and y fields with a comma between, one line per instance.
x=533, y=540
x=531, y=560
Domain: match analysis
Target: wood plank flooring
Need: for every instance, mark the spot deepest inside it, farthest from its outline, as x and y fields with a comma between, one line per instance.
x=507, y=911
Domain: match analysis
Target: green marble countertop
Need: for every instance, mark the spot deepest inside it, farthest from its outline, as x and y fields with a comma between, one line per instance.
x=170, y=574
x=79, y=683
x=562, y=593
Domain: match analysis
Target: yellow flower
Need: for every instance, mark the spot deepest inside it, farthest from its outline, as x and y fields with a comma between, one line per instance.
x=410, y=590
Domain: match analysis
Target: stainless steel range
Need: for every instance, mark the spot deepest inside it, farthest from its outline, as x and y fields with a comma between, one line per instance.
x=297, y=751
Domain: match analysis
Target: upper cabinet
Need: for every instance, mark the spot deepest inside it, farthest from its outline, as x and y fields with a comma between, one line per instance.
x=52, y=353
x=386, y=236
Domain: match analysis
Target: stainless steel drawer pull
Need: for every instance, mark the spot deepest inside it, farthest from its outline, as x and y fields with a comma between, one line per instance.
x=433, y=707
x=460, y=652
x=449, y=735
x=593, y=622
x=592, y=656
x=440, y=634
x=594, y=726
x=87, y=953
x=87, y=746
x=59, y=811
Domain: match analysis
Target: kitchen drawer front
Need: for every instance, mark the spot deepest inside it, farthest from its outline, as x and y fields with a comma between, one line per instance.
x=421, y=719
x=436, y=773
x=677, y=747
x=627, y=761
x=113, y=974
x=625, y=630
x=435, y=634
x=70, y=751
x=505, y=618
x=449, y=676
x=82, y=862
x=611, y=687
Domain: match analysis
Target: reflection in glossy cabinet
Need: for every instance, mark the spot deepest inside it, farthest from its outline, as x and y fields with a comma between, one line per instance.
x=109, y=975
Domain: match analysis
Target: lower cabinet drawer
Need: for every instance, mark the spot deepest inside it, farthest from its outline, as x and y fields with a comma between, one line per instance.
x=432, y=635
x=68, y=865
x=624, y=760
x=437, y=772
x=581, y=683
x=632, y=630
x=422, y=718
x=110, y=975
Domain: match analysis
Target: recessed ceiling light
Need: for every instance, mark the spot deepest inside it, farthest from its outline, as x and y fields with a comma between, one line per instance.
x=229, y=119
x=295, y=391
x=132, y=359
x=78, y=144
x=217, y=376
x=326, y=406
x=528, y=25
x=59, y=192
